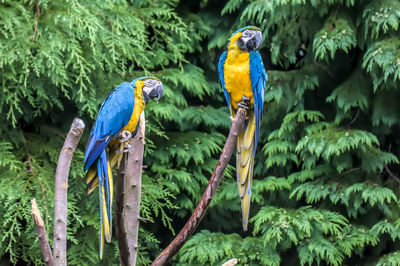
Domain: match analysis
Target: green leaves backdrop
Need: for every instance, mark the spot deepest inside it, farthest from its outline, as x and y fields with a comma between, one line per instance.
x=326, y=188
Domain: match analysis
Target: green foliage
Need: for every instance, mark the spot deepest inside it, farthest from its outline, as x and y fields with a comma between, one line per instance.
x=216, y=248
x=337, y=34
x=326, y=185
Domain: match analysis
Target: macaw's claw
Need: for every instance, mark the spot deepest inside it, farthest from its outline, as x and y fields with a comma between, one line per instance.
x=243, y=105
x=125, y=136
x=246, y=99
x=231, y=117
x=127, y=147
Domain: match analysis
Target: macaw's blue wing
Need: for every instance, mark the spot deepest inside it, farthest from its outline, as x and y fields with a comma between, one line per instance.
x=114, y=114
x=221, y=63
x=258, y=77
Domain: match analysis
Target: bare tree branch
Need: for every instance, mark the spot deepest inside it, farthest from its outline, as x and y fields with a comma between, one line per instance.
x=41, y=233
x=230, y=262
x=128, y=198
x=208, y=194
x=60, y=193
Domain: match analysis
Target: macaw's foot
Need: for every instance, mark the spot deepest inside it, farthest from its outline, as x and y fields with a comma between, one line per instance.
x=245, y=103
x=231, y=117
x=127, y=147
x=125, y=136
x=124, y=147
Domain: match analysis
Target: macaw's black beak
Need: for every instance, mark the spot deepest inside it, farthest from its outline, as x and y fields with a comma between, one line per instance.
x=254, y=42
x=157, y=92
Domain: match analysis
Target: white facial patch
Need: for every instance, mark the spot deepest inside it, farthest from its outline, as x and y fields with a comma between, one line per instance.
x=247, y=35
x=150, y=84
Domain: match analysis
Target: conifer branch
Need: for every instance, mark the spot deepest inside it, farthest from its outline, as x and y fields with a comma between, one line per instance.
x=128, y=197
x=41, y=233
x=60, y=193
x=208, y=194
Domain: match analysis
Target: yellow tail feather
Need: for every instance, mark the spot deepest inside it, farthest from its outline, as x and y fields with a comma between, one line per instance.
x=101, y=243
x=92, y=186
x=106, y=224
x=92, y=173
x=111, y=187
x=245, y=166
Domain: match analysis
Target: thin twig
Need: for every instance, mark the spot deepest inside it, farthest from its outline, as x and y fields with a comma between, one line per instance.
x=392, y=175
x=354, y=119
x=41, y=233
x=208, y=194
x=60, y=193
x=145, y=219
x=324, y=68
x=128, y=216
x=36, y=23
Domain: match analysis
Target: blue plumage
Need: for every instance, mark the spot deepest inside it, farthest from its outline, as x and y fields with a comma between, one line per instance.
x=221, y=63
x=258, y=78
x=114, y=114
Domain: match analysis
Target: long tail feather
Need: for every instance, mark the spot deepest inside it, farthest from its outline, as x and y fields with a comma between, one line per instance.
x=106, y=196
x=244, y=165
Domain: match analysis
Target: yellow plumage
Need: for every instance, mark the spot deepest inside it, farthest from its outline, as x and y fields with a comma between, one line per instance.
x=237, y=75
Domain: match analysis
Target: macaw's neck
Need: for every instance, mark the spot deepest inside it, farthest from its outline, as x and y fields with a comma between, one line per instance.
x=235, y=55
x=139, y=91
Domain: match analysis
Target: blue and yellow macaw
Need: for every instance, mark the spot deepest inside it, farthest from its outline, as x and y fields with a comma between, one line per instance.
x=243, y=79
x=116, y=122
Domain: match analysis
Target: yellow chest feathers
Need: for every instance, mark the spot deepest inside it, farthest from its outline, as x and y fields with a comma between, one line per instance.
x=138, y=108
x=237, y=75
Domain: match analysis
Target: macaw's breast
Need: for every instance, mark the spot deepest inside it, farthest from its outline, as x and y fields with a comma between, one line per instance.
x=237, y=76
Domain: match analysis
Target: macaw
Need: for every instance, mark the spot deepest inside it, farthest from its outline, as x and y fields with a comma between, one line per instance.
x=243, y=79
x=116, y=123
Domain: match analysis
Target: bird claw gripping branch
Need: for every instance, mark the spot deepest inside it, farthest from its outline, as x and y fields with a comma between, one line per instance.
x=245, y=103
x=125, y=136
